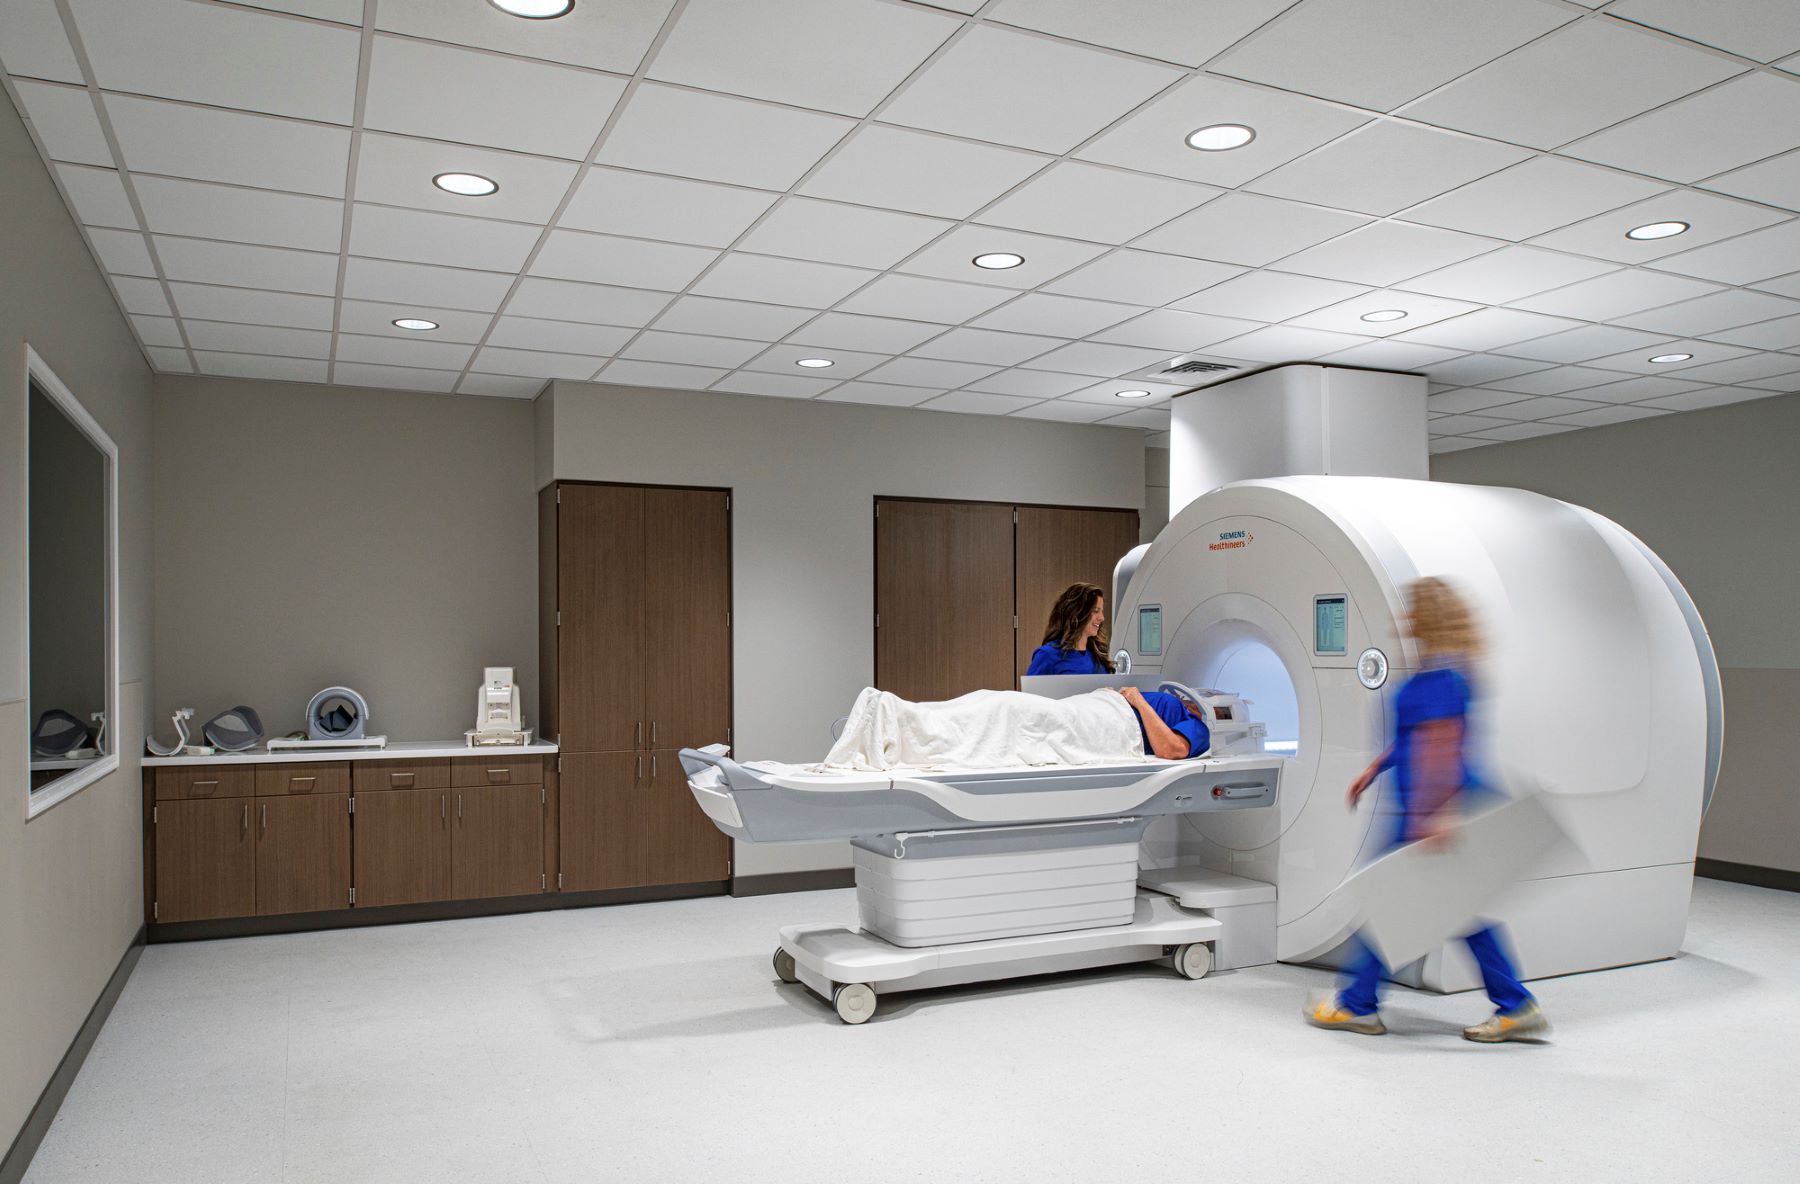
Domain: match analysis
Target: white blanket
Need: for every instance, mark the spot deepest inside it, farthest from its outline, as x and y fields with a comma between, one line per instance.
x=987, y=730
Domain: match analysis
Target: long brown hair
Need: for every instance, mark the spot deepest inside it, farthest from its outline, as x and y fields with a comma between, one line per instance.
x=1070, y=614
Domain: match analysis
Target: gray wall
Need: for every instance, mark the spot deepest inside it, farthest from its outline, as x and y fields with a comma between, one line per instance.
x=70, y=879
x=1717, y=494
x=309, y=536
x=1156, y=494
x=804, y=476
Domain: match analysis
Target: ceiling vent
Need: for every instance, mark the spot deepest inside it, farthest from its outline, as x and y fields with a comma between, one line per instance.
x=1198, y=368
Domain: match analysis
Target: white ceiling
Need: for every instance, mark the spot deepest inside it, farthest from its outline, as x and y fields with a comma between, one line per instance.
x=700, y=193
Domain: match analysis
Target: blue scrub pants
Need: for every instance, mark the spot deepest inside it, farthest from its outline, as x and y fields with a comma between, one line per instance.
x=1360, y=991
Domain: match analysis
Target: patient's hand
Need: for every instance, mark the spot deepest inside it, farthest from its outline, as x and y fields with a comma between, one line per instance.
x=1132, y=695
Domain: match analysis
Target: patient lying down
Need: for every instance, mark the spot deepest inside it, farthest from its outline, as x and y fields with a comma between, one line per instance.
x=1000, y=729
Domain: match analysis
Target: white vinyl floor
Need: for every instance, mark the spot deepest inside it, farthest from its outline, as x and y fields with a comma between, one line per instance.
x=652, y=1043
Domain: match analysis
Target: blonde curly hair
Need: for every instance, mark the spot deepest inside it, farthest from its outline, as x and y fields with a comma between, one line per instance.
x=1441, y=620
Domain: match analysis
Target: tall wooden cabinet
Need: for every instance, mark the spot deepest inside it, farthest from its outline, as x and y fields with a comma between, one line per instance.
x=636, y=661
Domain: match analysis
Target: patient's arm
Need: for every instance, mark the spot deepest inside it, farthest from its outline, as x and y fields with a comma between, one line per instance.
x=1165, y=742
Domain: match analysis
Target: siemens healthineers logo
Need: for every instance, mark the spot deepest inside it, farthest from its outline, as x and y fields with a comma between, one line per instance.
x=1231, y=540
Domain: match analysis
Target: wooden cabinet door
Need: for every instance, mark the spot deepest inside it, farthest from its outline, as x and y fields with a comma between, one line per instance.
x=601, y=825
x=205, y=859
x=687, y=637
x=302, y=854
x=1058, y=547
x=497, y=841
x=685, y=847
x=402, y=846
x=943, y=598
x=600, y=596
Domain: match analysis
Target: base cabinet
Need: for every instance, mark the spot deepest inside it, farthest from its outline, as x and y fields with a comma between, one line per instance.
x=402, y=846
x=497, y=843
x=630, y=821
x=205, y=860
x=302, y=854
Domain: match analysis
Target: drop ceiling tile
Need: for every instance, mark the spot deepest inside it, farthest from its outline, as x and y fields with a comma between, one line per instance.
x=222, y=56
x=1477, y=368
x=1102, y=205
x=405, y=283
x=204, y=144
x=373, y=319
x=1557, y=380
x=741, y=276
x=733, y=318
x=1148, y=418
x=831, y=55
x=240, y=215
x=1282, y=344
x=1392, y=355
x=715, y=138
x=500, y=386
x=1511, y=273
x=1462, y=401
x=1782, y=333
x=882, y=335
x=1154, y=140
x=1583, y=344
x=258, y=339
x=1172, y=331
x=1753, y=369
x=1381, y=53
x=1709, y=219
x=1788, y=285
x=1036, y=383
x=1057, y=94
x=978, y=403
x=1347, y=317
x=1441, y=444
x=561, y=337
x=1189, y=33
x=250, y=307
x=1385, y=253
x=931, y=372
x=1605, y=416
x=395, y=351
x=691, y=350
x=1638, y=361
x=1269, y=296
x=785, y=386
x=625, y=372
x=1711, y=397
x=418, y=236
x=1386, y=166
x=1721, y=310
x=895, y=168
x=393, y=378
x=442, y=92
x=1607, y=296
x=1055, y=316
x=1098, y=359
x=1731, y=125
x=1633, y=390
x=1107, y=394
x=1540, y=407
x=1775, y=181
x=167, y=360
x=912, y=298
x=1250, y=229
x=1532, y=198
x=1579, y=79
x=981, y=345
x=614, y=201
x=612, y=36
x=157, y=331
x=878, y=394
x=121, y=252
x=952, y=257
x=397, y=171
x=784, y=359
x=34, y=45
x=1759, y=255
x=1761, y=30
x=830, y=232
x=343, y=12
x=541, y=364
x=1524, y=431
x=1490, y=328
x=602, y=305
x=252, y=366
x=96, y=196
x=626, y=262
x=1065, y=411
x=207, y=262
x=64, y=120
x=1459, y=424
x=1142, y=277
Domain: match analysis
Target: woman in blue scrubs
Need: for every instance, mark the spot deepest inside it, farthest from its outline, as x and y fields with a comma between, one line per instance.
x=1075, y=639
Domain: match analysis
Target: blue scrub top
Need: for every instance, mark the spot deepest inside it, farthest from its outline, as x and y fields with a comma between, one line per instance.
x=1439, y=692
x=1172, y=711
x=1051, y=658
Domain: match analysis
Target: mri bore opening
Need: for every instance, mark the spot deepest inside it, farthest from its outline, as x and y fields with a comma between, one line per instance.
x=1254, y=671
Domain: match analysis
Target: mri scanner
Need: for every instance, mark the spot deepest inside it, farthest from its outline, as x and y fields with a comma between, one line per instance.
x=1598, y=688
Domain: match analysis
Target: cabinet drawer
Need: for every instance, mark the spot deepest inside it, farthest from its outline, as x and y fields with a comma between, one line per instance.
x=280, y=780
x=204, y=781
x=426, y=774
x=497, y=770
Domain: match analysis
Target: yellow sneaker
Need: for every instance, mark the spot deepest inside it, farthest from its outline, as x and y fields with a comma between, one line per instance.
x=1525, y=1023
x=1324, y=1012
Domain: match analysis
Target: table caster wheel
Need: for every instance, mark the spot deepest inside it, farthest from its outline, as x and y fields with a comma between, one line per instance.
x=855, y=1002
x=1193, y=961
x=784, y=966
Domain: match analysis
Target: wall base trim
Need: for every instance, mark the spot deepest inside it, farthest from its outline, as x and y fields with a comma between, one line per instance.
x=1747, y=873
x=813, y=881
x=37, y=1123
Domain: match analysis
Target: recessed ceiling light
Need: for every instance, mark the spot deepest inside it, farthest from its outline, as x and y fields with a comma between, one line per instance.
x=814, y=363
x=535, y=10
x=1219, y=137
x=1661, y=358
x=1384, y=314
x=465, y=184
x=416, y=324
x=1657, y=230
x=1131, y=394
x=999, y=260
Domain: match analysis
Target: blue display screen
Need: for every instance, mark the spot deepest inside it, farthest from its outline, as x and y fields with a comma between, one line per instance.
x=1150, y=629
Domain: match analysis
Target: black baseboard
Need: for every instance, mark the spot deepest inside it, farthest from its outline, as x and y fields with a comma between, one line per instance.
x=407, y=914
x=1748, y=873
x=832, y=877
x=37, y=1123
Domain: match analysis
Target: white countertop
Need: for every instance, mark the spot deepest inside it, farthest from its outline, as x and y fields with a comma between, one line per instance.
x=395, y=751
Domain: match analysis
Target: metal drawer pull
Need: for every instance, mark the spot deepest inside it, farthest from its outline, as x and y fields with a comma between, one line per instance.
x=500, y=774
x=401, y=778
x=198, y=784
x=298, y=780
